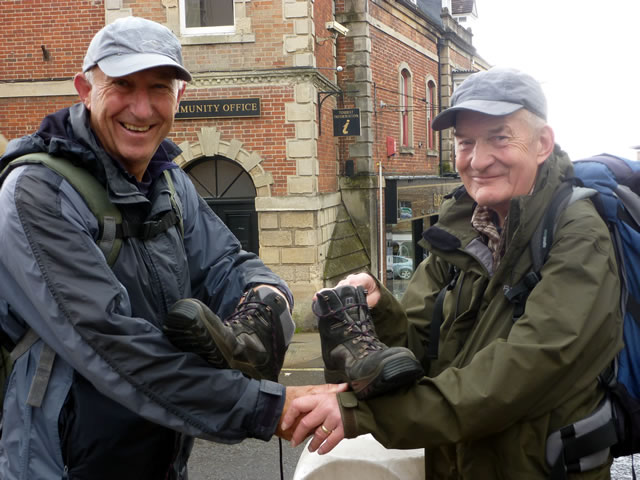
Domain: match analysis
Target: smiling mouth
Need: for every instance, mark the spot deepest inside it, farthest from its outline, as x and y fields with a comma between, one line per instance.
x=135, y=128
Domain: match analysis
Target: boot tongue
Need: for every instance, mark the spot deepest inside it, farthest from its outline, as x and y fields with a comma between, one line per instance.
x=328, y=302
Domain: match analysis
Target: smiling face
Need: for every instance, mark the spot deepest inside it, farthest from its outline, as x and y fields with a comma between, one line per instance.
x=131, y=115
x=498, y=157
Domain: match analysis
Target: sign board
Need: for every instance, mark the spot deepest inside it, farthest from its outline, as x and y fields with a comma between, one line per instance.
x=346, y=122
x=236, y=107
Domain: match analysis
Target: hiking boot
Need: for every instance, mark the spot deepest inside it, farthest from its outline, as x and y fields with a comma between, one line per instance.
x=191, y=325
x=250, y=340
x=350, y=349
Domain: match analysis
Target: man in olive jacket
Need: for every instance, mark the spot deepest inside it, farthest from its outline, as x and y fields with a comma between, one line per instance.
x=498, y=388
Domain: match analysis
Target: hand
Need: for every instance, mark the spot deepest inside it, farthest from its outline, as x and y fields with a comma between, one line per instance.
x=275, y=289
x=319, y=414
x=367, y=282
x=285, y=429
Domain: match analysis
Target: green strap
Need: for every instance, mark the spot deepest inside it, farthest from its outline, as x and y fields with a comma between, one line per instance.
x=94, y=194
x=174, y=200
x=41, y=377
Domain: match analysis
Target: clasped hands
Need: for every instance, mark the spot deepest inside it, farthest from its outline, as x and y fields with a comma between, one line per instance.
x=314, y=409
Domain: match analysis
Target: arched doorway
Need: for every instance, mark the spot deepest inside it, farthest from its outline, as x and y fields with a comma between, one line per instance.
x=229, y=190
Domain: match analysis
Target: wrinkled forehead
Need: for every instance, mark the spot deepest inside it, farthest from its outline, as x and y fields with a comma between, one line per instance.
x=470, y=123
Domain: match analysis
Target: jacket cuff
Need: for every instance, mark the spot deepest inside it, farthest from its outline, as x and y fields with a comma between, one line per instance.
x=348, y=403
x=268, y=409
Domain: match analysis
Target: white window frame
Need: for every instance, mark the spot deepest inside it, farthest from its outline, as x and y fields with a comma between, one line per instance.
x=192, y=31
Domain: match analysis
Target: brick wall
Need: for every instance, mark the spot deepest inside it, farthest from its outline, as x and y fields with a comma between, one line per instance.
x=460, y=60
x=22, y=116
x=64, y=27
x=388, y=56
x=266, y=135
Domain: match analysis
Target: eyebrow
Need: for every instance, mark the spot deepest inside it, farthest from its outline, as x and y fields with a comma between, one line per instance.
x=493, y=131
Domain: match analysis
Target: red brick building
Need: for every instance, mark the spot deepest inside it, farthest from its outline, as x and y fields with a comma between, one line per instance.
x=257, y=122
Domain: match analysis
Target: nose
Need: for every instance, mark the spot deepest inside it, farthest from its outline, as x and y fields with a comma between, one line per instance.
x=141, y=104
x=481, y=156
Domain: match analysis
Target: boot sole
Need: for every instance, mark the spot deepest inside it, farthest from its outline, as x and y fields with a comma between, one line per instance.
x=190, y=329
x=393, y=372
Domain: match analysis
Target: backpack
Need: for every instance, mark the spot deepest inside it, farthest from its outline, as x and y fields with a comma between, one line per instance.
x=113, y=228
x=613, y=185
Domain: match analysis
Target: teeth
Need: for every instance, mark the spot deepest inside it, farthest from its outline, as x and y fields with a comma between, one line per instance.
x=136, y=128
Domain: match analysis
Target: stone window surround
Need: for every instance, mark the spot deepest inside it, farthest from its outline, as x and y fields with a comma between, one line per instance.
x=243, y=34
x=408, y=148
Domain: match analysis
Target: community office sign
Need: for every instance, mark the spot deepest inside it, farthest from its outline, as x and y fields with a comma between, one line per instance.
x=237, y=107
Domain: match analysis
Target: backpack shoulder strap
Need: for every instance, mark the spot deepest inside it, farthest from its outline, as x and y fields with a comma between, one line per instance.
x=175, y=200
x=93, y=193
x=541, y=242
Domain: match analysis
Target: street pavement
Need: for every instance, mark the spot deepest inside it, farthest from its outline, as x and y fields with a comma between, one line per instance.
x=255, y=459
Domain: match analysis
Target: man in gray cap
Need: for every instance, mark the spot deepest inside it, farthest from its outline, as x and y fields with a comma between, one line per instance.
x=501, y=377
x=103, y=235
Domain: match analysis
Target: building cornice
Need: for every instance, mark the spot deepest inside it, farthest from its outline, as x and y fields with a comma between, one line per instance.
x=266, y=77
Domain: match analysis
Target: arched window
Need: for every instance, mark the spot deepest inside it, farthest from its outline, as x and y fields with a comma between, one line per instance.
x=432, y=112
x=219, y=177
x=229, y=191
x=405, y=108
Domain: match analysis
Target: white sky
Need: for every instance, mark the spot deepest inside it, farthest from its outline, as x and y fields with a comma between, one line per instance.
x=586, y=54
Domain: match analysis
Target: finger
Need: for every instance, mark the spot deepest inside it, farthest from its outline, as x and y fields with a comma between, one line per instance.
x=307, y=425
x=332, y=440
x=349, y=280
x=289, y=418
x=319, y=437
x=292, y=413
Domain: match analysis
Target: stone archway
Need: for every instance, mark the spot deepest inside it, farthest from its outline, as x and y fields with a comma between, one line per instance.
x=210, y=144
x=212, y=163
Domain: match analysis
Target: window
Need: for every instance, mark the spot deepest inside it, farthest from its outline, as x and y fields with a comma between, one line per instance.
x=431, y=112
x=206, y=17
x=405, y=108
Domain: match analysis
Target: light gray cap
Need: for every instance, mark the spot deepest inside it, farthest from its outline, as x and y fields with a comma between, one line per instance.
x=497, y=92
x=132, y=44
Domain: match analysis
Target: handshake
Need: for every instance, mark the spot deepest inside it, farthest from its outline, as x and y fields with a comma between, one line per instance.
x=255, y=337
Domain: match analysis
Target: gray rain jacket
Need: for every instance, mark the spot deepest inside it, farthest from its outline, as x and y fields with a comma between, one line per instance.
x=122, y=402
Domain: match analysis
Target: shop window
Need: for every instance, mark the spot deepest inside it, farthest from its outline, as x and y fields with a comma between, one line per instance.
x=207, y=17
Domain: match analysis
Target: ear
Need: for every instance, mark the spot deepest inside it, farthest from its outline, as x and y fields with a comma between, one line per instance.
x=546, y=142
x=181, y=90
x=83, y=87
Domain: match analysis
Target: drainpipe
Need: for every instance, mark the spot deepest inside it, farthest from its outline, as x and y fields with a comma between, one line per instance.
x=439, y=45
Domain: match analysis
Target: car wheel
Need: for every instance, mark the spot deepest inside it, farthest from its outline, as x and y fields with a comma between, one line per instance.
x=405, y=274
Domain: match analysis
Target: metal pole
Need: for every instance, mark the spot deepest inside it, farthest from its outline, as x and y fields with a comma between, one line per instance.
x=382, y=249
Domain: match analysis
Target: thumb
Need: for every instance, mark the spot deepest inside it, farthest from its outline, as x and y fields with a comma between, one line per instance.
x=330, y=388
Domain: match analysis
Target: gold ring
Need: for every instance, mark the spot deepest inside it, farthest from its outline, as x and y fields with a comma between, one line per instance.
x=325, y=430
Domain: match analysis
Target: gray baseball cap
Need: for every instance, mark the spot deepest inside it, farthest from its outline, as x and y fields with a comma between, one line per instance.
x=497, y=91
x=132, y=44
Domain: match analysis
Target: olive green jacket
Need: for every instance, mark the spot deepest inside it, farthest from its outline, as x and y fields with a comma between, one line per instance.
x=499, y=388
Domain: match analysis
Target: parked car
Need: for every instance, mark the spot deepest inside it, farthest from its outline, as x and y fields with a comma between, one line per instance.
x=401, y=267
x=406, y=212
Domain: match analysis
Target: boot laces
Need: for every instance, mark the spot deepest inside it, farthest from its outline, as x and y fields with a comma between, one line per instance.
x=248, y=309
x=360, y=325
